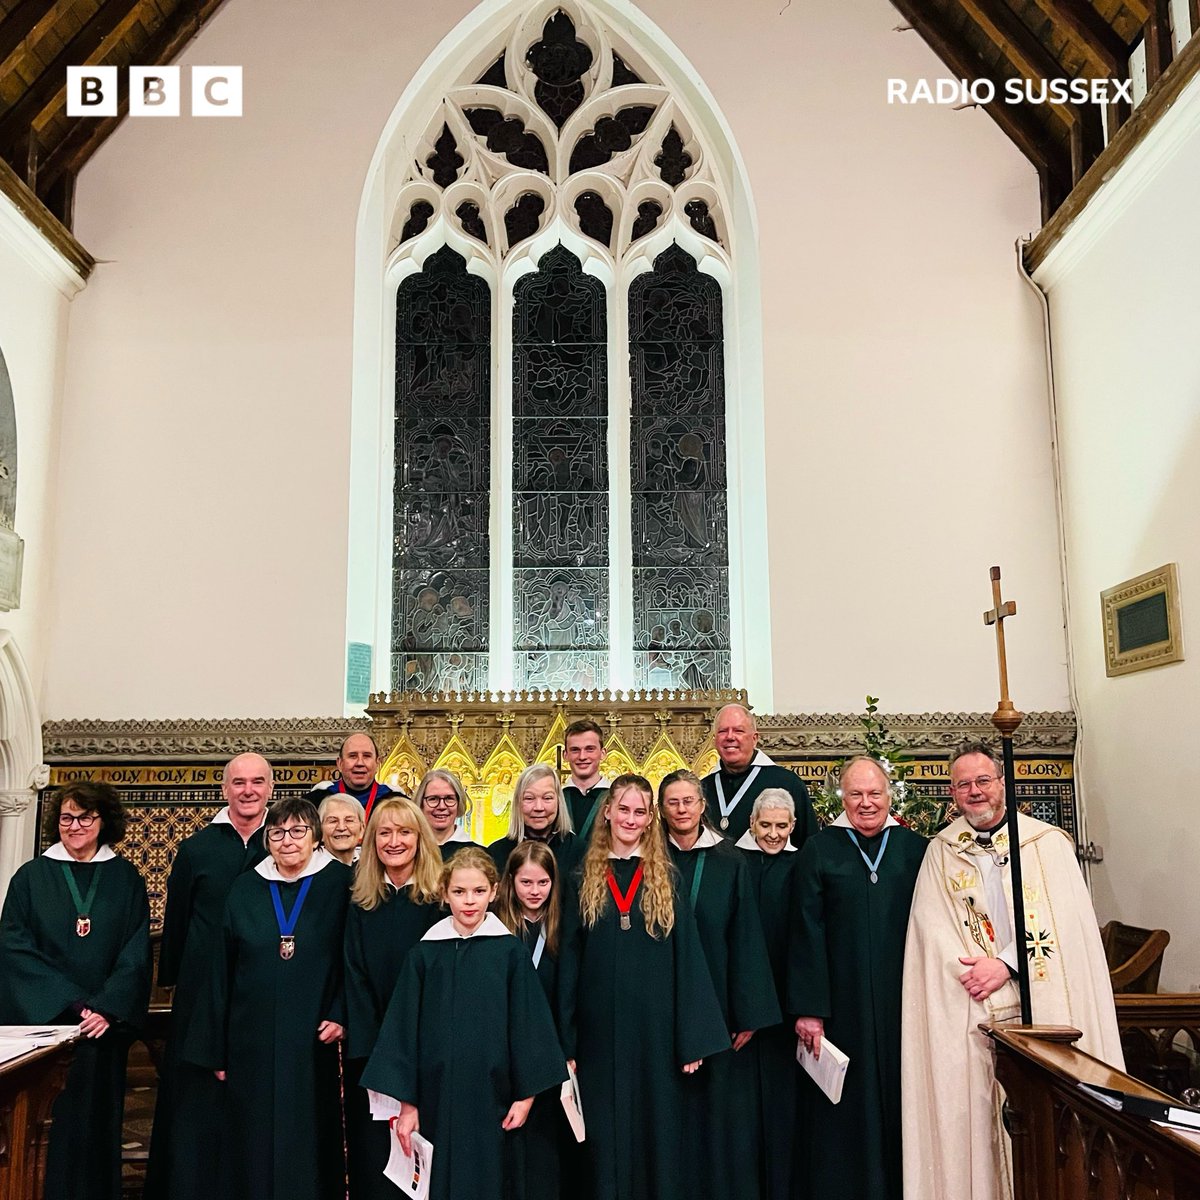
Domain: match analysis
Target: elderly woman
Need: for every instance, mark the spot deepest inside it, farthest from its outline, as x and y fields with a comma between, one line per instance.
x=443, y=800
x=343, y=820
x=772, y=859
x=274, y=1013
x=539, y=813
x=75, y=947
x=394, y=902
x=854, y=888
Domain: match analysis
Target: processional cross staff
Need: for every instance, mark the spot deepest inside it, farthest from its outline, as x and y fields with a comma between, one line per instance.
x=1006, y=719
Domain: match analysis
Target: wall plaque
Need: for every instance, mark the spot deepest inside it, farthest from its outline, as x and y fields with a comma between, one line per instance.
x=1141, y=620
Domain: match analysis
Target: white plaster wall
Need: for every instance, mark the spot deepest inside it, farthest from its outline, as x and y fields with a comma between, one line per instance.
x=210, y=370
x=1125, y=310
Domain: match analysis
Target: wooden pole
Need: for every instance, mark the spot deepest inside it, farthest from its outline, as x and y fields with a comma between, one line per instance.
x=1007, y=719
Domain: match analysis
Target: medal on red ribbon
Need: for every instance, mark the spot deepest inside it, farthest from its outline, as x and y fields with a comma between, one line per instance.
x=624, y=900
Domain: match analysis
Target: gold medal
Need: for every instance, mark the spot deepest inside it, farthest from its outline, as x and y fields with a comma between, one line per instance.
x=83, y=926
x=287, y=947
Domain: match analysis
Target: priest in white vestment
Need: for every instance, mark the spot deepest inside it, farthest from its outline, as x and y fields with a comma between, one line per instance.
x=960, y=970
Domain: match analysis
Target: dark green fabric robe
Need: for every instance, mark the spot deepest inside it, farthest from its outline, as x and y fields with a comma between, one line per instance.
x=724, y=1117
x=769, y=776
x=258, y=1022
x=846, y=964
x=468, y=1032
x=567, y=850
x=773, y=878
x=189, y=1113
x=377, y=943
x=634, y=1010
x=48, y=973
x=584, y=808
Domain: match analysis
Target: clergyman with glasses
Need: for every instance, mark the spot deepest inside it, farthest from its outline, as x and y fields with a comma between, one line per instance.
x=960, y=971
x=853, y=886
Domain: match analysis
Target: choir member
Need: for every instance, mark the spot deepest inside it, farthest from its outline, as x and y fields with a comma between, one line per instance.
x=394, y=901
x=529, y=904
x=467, y=1041
x=584, y=792
x=638, y=1007
x=273, y=1015
x=724, y=1113
x=75, y=947
x=538, y=812
x=357, y=762
x=854, y=887
x=343, y=821
x=189, y=1114
x=443, y=799
x=743, y=772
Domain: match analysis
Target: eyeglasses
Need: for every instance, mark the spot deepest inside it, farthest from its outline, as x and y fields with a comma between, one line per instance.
x=295, y=832
x=875, y=794
x=683, y=802
x=965, y=785
x=440, y=802
x=83, y=820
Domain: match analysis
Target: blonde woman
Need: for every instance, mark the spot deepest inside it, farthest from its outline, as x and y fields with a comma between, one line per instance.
x=394, y=901
x=638, y=1009
x=443, y=799
x=539, y=813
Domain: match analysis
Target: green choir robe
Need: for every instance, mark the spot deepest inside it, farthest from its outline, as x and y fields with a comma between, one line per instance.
x=467, y=1033
x=773, y=877
x=377, y=942
x=48, y=973
x=724, y=1117
x=585, y=807
x=760, y=775
x=846, y=964
x=189, y=1113
x=634, y=1010
x=258, y=1022
x=566, y=848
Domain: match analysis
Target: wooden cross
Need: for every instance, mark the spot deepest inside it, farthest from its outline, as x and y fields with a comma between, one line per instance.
x=1006, y=718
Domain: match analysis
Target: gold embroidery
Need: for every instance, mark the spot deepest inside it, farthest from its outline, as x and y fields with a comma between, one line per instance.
x=961, y=880
x=979, y=925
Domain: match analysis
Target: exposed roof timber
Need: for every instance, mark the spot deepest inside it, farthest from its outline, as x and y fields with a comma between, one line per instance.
x=44, y=221
x=1158, y=41
x=1091, y=33
x=20, y=23
x=51, y=82
x=77, y=147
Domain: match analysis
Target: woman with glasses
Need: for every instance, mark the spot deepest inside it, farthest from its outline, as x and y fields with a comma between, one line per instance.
x=443, y=800
x=274, y=1015
x=75, y=947
x=395, y=900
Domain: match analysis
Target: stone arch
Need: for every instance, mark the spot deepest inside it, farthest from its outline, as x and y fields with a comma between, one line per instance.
x=22, y=772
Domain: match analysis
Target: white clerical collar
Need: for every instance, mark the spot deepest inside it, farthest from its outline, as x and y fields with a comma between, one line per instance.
x=458, y=834
x=706, y=840
x=760, y=759
x=747, y=842
x=320, y=860
x=636, y=852
x=58, y=852
x=602, y=781
x=843, y=822
x=444, y=931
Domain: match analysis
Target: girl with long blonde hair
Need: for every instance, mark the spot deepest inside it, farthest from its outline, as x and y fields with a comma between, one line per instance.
x=395, y=900
x=638, y=1009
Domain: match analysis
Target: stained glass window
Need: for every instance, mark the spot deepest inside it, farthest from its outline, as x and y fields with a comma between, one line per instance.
x=441, y=548
x=680, y=520
x=560, y=477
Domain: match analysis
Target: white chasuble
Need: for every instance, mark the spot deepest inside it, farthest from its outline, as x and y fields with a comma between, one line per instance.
x=954, y=1145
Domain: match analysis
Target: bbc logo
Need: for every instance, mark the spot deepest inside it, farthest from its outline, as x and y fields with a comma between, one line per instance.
x=154, y=91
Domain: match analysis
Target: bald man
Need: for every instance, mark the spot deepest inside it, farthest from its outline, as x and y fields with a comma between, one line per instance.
x=189, y=1115
x=357, y=763
x=743, y=772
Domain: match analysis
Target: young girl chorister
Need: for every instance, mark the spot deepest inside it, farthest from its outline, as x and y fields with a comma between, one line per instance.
x=637, y=1001
x=528, y=904
x=467, y=1041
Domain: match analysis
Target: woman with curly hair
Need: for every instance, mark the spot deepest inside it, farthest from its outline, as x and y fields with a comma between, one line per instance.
x=75, y=947
x=394, y=901
x=637, y=1001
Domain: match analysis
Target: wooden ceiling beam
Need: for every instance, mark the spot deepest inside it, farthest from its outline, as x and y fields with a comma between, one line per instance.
x=1158, y=41
x=51, y=83
x=1091, y=33
x=1051, y=160
x=82, y=141
x=20, y=23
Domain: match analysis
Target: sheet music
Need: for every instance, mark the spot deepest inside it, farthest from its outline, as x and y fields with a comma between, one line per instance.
x=383, y=1108
x=572, y=1104
x=829, y=1071
x=16, y=1040
x=410, y=1172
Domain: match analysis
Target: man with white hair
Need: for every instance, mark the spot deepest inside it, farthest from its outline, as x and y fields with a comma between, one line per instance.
x=743, y=772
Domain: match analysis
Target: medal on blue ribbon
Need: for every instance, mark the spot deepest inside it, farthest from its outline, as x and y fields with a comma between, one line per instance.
x=287, y=923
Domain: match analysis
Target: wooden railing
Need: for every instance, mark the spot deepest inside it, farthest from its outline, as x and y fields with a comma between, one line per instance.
x=1152, y=1027
x=1068, y=1145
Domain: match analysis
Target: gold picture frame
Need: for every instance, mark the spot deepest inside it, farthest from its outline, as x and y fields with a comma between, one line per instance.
x=1141, y=619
